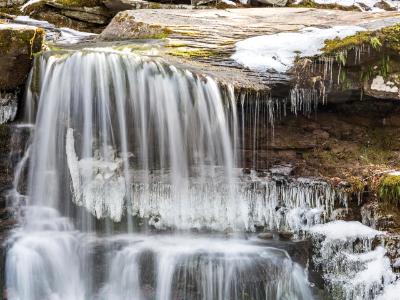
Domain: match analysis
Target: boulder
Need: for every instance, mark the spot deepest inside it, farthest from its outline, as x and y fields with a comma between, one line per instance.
x=125, y=27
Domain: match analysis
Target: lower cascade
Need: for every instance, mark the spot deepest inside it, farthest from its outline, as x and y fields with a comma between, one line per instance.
x=135, y=184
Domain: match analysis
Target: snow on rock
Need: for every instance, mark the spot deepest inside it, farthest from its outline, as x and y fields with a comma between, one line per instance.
x=365, y=5
x=342, y=230
x=278, y=51
x=61, y=35
x=379, y=84
x=391, y=292
x=351, y=268
x=29, y=3
x=229, y=2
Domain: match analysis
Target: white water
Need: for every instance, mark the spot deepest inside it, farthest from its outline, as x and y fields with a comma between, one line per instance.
x=122, y=142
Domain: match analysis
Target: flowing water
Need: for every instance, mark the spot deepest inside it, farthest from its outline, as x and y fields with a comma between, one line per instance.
x=124, y=146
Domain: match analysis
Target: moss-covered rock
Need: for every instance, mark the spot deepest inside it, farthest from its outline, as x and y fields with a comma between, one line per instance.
x=388, y=37
x=18, y=44
x=389, y=189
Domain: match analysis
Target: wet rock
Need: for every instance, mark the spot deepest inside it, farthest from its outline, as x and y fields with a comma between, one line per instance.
x=125, y=27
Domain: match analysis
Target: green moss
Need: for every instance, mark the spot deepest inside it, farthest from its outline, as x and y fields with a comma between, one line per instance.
x=192, y=53
x=6, y=11
x=388, y=37
x=80, y=3
x=156, y=36
x=389, y=189
x=357, y=185
x=391, y=36
x=337, y=44
x=154, y=5
x=26, y=41
x=312, y=4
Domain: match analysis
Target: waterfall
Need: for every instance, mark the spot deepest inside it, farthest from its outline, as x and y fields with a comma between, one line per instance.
x=122, y=144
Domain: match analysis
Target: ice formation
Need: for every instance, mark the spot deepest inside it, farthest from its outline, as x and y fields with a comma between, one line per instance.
x=97, y=184
x=8, y=107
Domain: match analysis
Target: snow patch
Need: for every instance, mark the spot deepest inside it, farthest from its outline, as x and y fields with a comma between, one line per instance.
x=391, y=292
x=342, y=230
x=351, y=267
x=278, y=51
x=379, y=84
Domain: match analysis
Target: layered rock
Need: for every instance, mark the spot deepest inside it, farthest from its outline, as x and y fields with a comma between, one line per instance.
x=83, y=15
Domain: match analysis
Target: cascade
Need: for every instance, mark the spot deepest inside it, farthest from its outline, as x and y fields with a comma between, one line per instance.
x=132, y=146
